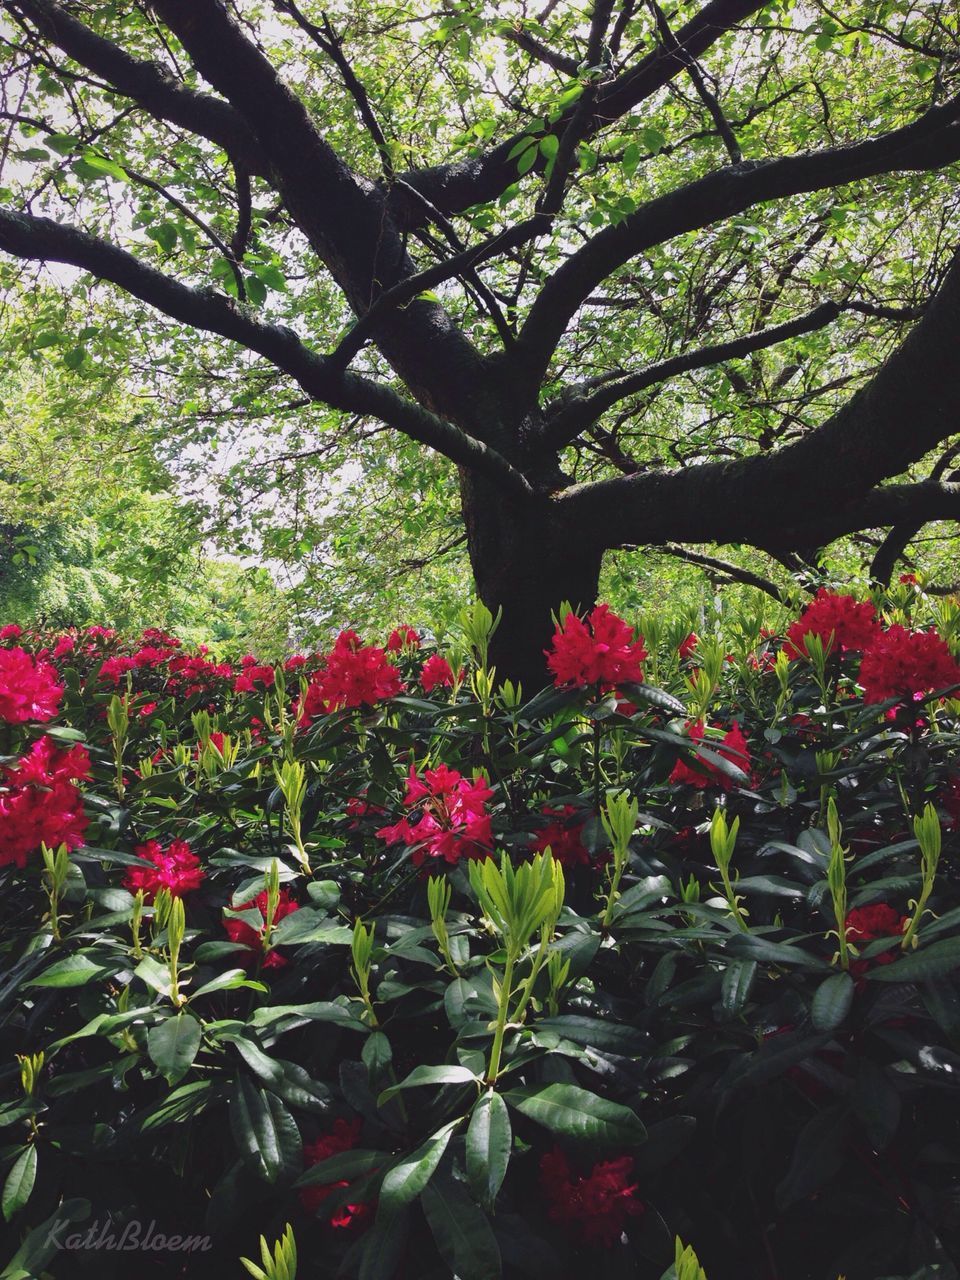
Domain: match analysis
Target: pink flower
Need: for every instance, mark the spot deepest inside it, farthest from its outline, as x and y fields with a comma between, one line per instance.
x=39, y=803
x=564, y=836
x=403, y=638
x=453, y=822
x=901, y=663
x=865, y=924
x=436, y=671
x=353, y=675
x=600, y=649
x=65, y=644
x=11, y=632
x=252, y=676
x=114, y=668
x=344, y=1136
x=295, y=662
x=596, y=1206
x=29, y=688
x=253, y=939
x=853, y=624
x=686, y=647
x=176, y=869
x=702, y=773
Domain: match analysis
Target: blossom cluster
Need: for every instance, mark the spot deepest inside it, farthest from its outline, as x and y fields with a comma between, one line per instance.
x=453, y=821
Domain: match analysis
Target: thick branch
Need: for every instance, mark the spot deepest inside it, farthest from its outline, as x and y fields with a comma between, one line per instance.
x=149, y=84
x=455, y=187
x=822, y=486
x=343, y=216
x=44, y=240
x=572, y=417
x=930, y=142
x=735, y=572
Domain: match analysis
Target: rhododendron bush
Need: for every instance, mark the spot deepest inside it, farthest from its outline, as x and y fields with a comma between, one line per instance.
x=463, y=979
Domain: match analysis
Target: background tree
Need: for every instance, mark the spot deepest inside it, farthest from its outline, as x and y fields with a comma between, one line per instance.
x=648, y=276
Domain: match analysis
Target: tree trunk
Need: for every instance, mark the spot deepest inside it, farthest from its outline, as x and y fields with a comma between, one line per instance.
x=526, y=562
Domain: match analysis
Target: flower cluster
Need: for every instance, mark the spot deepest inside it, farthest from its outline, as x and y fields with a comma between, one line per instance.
x=240, y=931
x=176, y=869
x=403, y=638
x=353, y=675
x=30, y=689
x=436, y=672
x=841, y=622
x=344, y=1136
x=704, y=773
x=252, y=675
x=597, y=1206
x=39, y=803
x=598, y=650
x=866, y=924
x=563, y=836
x=453, y=822
x=901, y=663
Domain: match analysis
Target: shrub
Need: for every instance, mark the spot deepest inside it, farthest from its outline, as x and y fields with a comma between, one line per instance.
x=460, y=981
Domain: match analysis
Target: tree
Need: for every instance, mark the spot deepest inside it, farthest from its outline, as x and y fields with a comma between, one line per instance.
x=762, y=191
x=92, y=531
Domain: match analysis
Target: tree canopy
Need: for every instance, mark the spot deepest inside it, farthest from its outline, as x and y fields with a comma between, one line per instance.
x=645, y=275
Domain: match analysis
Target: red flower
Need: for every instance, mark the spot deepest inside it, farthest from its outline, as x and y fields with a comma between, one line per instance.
x=39, y=803
x=343, y=1137
x=565, y=837
x=909, y=578
x=176, y=869
x=454, y=823
x=252, y=676
x=853, y=624
x=436, y=671
x=599, y=649
x=702, y=773
x=597, y=1206
x=866, y=924
x=353, y=675
x=295, y=662
x=65, y=644
x=29, y=689
x=114, y=668
x=901, y=663
x=11, y=632
x=252, y=939
x=403, y=638
x=686, y=647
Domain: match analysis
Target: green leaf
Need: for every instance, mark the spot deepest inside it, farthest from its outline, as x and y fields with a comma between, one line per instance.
x=549, y=146
x=462, y=1233
x=265, y=1132
x=929, y=962
x=256, y=290
x=344, y=1167
x=40, y=1245
x=429, y=1075
x=527, y=159
x=229, y=980
x=62, y=143
x=174, y=1045
x=817, y=1156
x=165, y=235
x=832, y=1002
x=19, y=1182
x=737, y=981
x=572, y=1112
x=653, y=139
x=73, y=971
x=406, y=1180
x=489, y=1143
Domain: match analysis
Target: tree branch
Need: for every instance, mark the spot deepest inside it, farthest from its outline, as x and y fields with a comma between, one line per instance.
x=455, y=187
x=930, y=142
x=571, y=416
x=42, y=239
x=821, y=486
x=149, y=84
x=732, y=571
